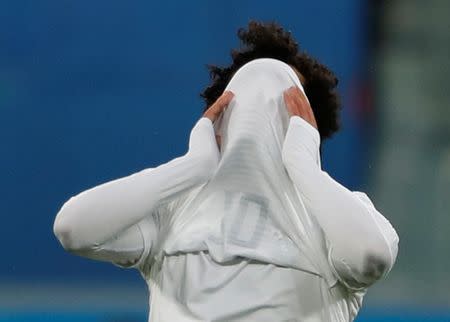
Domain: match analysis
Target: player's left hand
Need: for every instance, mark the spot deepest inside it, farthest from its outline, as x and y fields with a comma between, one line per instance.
x=297, y=104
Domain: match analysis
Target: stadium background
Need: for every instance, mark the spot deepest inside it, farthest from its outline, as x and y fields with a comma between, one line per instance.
x=95, y=90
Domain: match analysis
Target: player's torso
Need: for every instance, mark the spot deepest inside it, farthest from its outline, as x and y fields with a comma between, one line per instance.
x=225, y=259
x=229, y=224
x=193, y=287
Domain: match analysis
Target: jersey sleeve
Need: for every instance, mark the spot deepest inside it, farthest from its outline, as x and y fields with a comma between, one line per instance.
x=126, y=250
x=135, y=252
x=350, y=276
x=132, y=247
x=362, y=243
x=110, y=212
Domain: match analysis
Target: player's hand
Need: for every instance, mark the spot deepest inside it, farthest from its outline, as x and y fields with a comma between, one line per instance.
x=219, y=106
x=297, y=104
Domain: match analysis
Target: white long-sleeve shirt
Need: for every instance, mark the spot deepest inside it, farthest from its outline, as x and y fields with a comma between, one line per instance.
x=208, y=238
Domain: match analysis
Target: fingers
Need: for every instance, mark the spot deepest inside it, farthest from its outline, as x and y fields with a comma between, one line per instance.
x=290, y=103
x=223, y=101
x=306, y=107
x=226, y=98
x=294, y=102
x=219, y=105
x=297, y=104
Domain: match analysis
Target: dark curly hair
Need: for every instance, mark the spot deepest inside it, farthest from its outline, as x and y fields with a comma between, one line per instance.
x=270, y=40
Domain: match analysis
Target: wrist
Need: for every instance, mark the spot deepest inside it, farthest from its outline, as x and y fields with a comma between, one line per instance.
x=302, y=140
x=203, y=145
x=306, y=129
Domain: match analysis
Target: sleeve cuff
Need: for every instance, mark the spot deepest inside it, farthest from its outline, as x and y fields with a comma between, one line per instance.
x=202, y=134
x=307, y=128
x=303, y=136
x=389, y=233
x=205, y=119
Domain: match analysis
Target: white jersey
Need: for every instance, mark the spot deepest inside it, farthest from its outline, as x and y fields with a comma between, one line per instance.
x=255, y=231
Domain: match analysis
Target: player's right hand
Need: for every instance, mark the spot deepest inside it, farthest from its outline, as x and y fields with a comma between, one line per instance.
x=219, y=106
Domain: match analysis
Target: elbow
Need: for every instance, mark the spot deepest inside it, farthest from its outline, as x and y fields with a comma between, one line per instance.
x=65, y=231
x=376, y=264
x=380, y=259
x=388, y=253
x=64, y=234
x=364, y=270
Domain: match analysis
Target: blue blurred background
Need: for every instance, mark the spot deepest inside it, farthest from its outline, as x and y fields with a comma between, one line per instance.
x=95, y=90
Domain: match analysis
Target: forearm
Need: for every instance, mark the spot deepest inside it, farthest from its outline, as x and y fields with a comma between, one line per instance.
x=349, y=225
x=98, y=214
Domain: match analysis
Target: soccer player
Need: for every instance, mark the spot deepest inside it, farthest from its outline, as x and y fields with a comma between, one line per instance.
x=245, y=226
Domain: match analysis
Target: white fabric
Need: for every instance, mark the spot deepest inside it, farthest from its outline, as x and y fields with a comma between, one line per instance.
x=255, y=232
